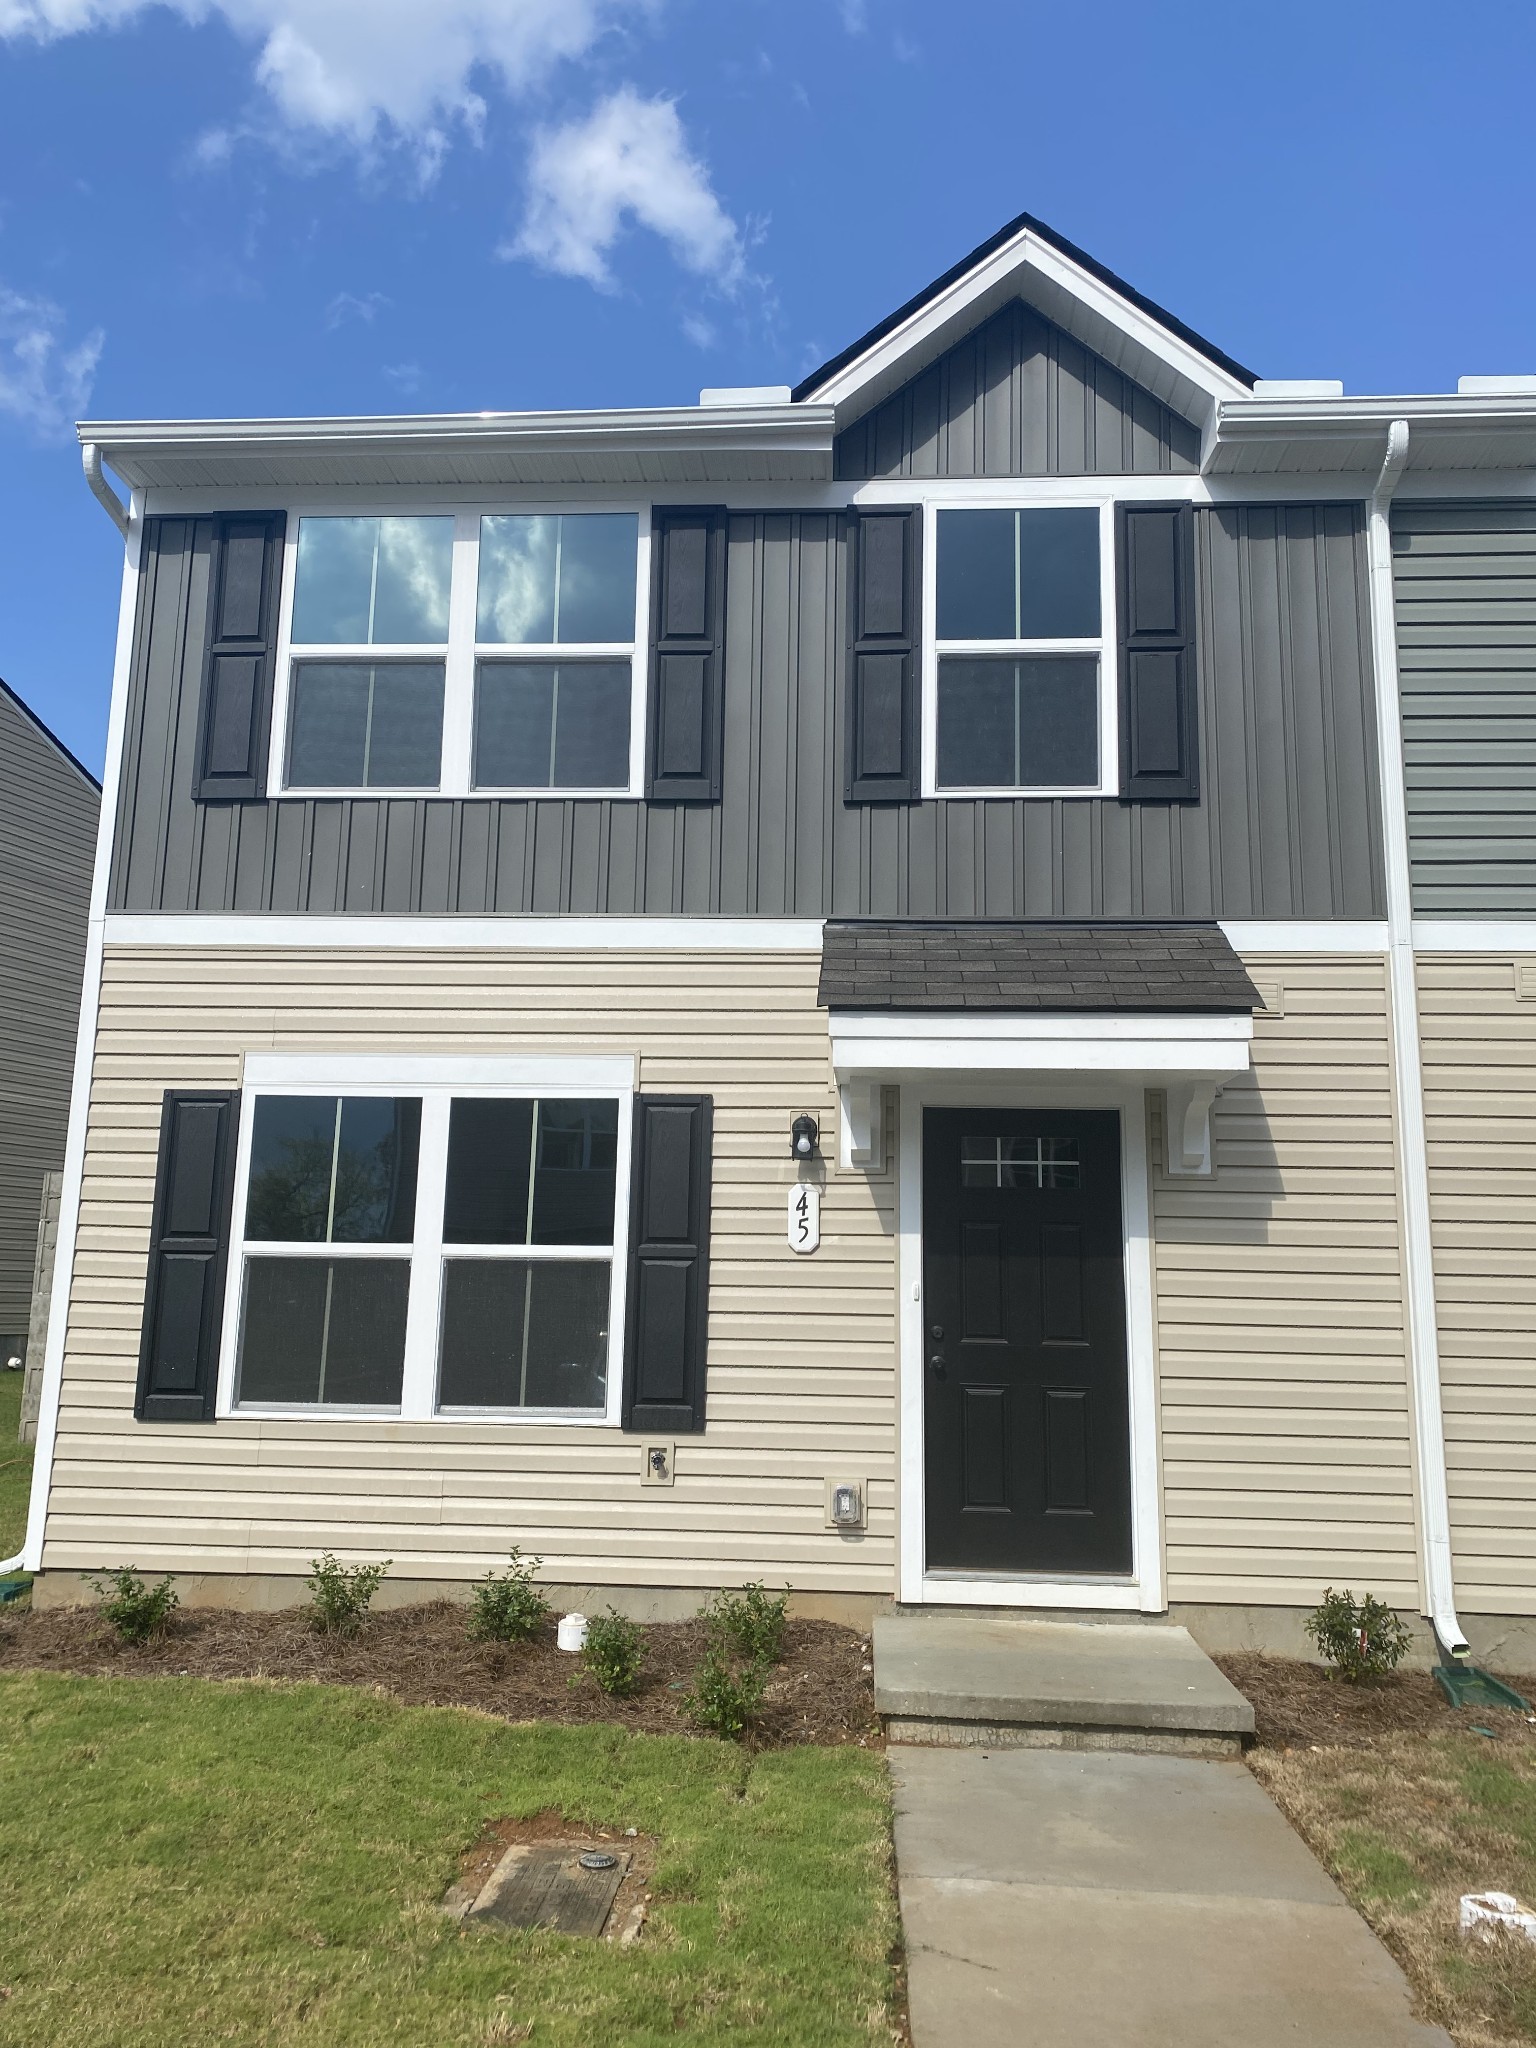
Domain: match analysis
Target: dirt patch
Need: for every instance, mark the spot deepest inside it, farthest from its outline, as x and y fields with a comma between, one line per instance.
x=822, y=1692
x=1298, y=1705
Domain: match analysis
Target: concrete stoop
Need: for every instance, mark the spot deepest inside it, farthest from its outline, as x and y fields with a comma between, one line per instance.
x=958, y=1680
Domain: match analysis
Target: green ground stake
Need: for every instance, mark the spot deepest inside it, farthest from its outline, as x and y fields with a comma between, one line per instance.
x=12, y=1589
x=1467, y=1685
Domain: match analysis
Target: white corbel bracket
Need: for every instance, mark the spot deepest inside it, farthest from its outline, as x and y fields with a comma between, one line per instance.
x=861, y=1138
x=1187, y=1132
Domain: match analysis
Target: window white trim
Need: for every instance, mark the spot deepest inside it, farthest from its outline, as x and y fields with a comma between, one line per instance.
x=1104, y=646
x=436, y=1080
x=461, y=651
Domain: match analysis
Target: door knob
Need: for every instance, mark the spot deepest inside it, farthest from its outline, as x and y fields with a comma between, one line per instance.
x=937, y=1363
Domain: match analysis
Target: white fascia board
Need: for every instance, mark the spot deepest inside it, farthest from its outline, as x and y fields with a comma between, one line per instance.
x=159, y=452
x=899, y=1043
x=327, y=933
x=1258, y=434
x=1007, y=272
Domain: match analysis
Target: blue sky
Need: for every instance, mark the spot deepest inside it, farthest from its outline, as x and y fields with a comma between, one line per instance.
x=236, y=207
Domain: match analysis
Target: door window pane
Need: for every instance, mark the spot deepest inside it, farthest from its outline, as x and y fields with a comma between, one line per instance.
x=1019, y=1163
x=323, y=1331
x=522, y=1335
x=369, y=582
x=547, y=725
x=548, y=579
x=1026, y=722
x=1018, y=575
x=361, y=725
x=330, y=1169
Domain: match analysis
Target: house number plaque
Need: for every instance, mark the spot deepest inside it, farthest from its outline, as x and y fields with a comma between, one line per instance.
x=804, y=1217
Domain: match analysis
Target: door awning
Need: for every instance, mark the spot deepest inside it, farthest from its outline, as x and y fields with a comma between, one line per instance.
x=1170, y=1005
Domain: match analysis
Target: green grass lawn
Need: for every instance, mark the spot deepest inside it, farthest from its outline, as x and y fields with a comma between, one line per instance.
x=1407, y=1825
x=185, y=1861
x=15, y=1467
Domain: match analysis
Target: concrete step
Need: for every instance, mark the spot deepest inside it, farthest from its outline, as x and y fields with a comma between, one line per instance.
x=970, y=1680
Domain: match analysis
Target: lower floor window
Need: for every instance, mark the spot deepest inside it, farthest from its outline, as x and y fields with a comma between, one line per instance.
x=446, y=1250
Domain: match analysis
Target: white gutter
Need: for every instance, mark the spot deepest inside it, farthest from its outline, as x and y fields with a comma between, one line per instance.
x=116, y=510
x=1408, y=1068
x=85, y=1054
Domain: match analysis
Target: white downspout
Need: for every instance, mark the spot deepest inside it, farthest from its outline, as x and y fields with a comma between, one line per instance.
x=1407, y=1061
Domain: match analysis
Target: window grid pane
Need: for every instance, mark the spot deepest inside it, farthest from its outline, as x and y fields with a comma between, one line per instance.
x=365, y=725
x=991, y=1162
x=1031, y=573
x=372, y=582
x=520, y=1334
x=553, y=579
x=546, y=725
x=1022, y=722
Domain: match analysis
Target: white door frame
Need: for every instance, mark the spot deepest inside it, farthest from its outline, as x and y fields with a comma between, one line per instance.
x=1142, y=1590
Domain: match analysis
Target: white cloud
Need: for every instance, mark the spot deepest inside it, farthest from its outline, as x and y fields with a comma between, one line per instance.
x=628, y=160
x=364, y=71
x=406, y=377
x=701, y=332
x=349, y=306
x=44, y=383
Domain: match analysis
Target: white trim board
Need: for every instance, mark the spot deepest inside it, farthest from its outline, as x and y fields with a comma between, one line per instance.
x=890, y=1044
x=329, y=933
x=1306, y=935
x=1474, y=935
x=1144, y=1590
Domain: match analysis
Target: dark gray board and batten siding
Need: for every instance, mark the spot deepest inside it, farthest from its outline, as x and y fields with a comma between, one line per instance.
x=49, y=808
x=1465, y=583
x=1018, y=397
x=1287, y=825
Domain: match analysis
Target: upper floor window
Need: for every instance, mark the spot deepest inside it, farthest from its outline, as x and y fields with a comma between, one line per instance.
x=1019, y=687
x=458, y=652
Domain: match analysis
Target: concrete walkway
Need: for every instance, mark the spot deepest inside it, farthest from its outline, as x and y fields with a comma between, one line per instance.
x=1085, y=1899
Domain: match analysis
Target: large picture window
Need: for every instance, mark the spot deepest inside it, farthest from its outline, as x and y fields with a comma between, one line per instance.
x=1019, y=692
x=452, y=652
x=450, y=1248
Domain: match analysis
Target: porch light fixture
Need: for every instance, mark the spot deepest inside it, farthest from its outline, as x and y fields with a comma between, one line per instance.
x=802, y=1138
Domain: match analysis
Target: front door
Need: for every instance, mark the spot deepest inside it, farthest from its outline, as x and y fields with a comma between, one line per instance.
x=1024, y=1361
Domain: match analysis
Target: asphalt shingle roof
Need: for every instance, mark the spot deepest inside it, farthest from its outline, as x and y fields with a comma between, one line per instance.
x=1043, y=964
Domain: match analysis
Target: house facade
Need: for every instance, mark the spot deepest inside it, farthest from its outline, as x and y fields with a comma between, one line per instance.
x=50, y=805
x=922, y=987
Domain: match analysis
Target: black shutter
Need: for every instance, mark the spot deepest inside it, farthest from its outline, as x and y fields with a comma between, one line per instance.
x=188, y=1251
x=883, y=637
x=1159, y=722
x=667, y=1315
x=687, y=654
x=245, y=577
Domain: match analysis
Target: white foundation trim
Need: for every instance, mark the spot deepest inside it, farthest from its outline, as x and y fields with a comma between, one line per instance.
x=1306, y=935
x=59, y=1320
x=328, y=933
x=1144, y=1590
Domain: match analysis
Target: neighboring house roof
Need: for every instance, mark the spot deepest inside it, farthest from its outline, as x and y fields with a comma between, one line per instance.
x=50, y=736
x=981, y=964
x=809, y=386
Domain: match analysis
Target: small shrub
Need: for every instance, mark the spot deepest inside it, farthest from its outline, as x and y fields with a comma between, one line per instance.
x=508, y=1607
x=341, y=1593
x=135, y=1609
x=1361, y=1639
x=614, y=1653
x=750, y=1621
x=725, y=1701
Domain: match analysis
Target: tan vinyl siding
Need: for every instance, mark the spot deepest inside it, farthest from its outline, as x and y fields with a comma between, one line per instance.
x=802, y=1350
x=1479, y=1040
x=1285, y=1408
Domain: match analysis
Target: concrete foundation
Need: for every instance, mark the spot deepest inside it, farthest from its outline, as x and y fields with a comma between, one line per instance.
x=269, y=1592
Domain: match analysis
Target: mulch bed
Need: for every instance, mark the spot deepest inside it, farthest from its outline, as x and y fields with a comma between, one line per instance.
x=822, y=1692
x=1298, y=1706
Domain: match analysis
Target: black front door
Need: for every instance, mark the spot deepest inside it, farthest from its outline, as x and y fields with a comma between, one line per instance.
x=1027, y=1407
